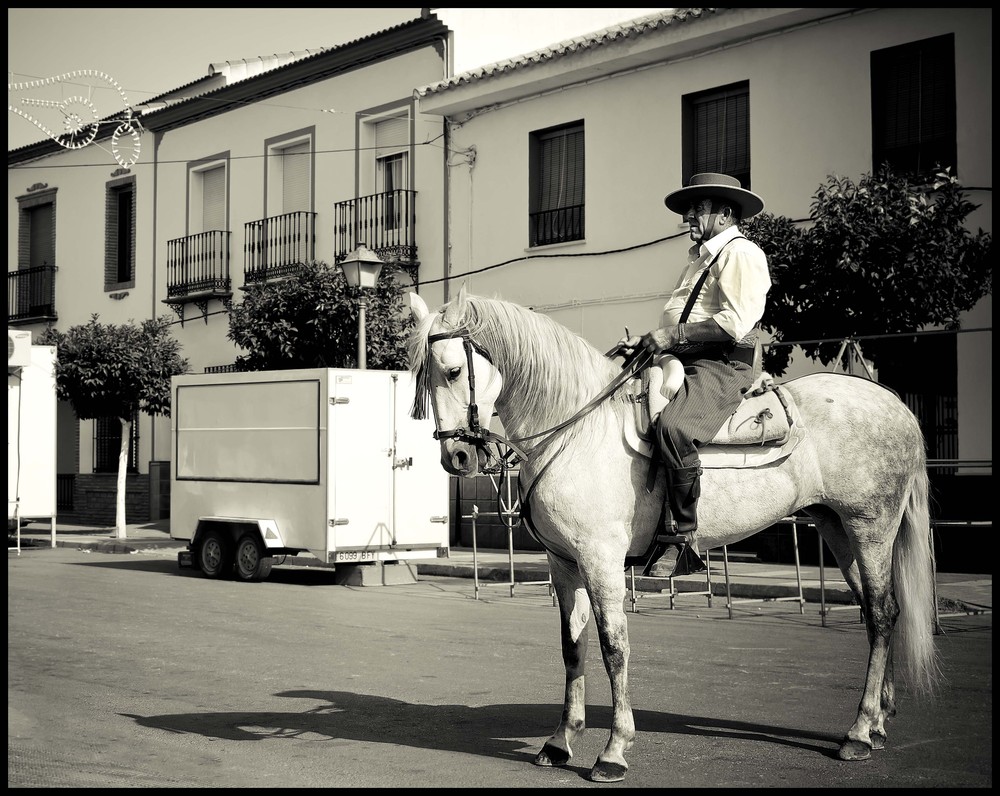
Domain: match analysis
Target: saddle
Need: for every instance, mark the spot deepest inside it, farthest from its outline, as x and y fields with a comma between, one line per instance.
x=764, y=428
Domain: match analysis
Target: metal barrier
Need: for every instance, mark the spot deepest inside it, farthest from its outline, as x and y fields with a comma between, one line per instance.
x=673, y=592
x=511, y=515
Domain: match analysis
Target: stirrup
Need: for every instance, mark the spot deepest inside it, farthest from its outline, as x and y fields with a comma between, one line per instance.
x=688, y=562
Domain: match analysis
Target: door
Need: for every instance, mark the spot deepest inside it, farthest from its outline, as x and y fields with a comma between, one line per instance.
x=360, y=455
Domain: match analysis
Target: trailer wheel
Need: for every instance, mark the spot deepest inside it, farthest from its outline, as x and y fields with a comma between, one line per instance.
x=215, y=554
x=251, y=563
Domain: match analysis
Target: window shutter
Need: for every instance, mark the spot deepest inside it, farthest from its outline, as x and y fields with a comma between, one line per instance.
x=391, y=135
x=721, y=141
x=913, y=105
x=41, y=239
x=561, y=159
x=295, y=170
x=213, y=188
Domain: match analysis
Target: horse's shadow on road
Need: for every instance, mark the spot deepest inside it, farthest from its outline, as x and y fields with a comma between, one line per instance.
x=486, y=730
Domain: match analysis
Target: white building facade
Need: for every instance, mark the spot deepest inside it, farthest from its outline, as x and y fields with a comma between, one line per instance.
x=560, y=159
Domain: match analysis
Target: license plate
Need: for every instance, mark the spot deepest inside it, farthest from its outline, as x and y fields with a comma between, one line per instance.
x=348, y=556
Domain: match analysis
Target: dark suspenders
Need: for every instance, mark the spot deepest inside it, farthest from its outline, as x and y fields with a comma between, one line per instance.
x=696, y=290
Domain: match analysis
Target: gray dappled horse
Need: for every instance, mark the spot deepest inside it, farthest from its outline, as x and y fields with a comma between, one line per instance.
x=859, y=474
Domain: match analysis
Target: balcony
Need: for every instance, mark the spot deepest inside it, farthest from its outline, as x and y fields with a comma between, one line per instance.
x=556, y=226
x=31, y=295
x=198, y=267
x=198, y=271
x=384, y=222
x=274, y=247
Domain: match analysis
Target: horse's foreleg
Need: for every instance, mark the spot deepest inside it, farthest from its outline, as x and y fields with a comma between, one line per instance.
x=574, y=614
x=609, y=615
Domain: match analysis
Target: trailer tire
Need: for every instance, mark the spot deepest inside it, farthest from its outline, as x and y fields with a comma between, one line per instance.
x=215, y=554
x=251, y=563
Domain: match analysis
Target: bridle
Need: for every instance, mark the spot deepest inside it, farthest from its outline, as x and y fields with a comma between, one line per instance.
x=481, y=437
x=476, y=434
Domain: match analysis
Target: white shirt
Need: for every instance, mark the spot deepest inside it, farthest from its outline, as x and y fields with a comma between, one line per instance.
x=735, y=290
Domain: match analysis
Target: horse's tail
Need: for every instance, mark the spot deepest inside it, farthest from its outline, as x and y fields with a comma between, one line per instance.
x=913, y=581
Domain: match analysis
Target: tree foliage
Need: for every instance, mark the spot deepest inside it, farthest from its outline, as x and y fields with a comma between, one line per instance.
x=310, y=320
x=882, y=256
x=108, y=370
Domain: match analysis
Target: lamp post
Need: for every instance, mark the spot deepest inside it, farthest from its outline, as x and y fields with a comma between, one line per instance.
x=361, y=268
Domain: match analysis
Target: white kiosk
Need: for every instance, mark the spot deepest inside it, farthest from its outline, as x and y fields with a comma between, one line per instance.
x=31, y=433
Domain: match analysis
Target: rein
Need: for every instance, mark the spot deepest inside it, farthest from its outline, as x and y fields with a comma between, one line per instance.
x=481, y=437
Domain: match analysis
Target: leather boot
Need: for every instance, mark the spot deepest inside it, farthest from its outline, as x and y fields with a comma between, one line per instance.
x=683, y=493
x=679, y=558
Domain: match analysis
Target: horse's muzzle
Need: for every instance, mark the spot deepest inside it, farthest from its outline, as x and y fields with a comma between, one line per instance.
x=462, y=458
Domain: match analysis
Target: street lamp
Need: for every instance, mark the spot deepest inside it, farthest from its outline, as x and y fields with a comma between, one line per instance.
x=362, y=267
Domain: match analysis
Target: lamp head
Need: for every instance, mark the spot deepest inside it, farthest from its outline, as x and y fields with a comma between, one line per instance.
x=362, y=267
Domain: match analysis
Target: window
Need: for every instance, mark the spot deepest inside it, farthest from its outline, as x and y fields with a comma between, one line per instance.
x=556, y=210
x=119, y=241
x=913, y=106
x=208, y=210
x=391, y=176
x=392, y=139
x=41, y=237
x=108, y=443
x=289, y=177
x=716, y=126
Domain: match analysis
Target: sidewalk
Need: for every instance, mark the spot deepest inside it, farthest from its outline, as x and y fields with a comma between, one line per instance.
x=749, y=579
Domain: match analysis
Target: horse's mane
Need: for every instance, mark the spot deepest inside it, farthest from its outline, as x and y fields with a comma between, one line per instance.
x=551, y=370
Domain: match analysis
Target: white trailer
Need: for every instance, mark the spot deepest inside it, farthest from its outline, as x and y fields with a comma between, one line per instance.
x=320, y=461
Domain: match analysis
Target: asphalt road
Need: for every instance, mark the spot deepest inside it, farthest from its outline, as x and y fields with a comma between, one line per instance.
x=125, y=671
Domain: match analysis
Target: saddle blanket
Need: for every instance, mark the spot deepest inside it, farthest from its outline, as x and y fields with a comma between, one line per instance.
x=765, y=428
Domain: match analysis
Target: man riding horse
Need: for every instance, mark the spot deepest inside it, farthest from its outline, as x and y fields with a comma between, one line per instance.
x=710, y=323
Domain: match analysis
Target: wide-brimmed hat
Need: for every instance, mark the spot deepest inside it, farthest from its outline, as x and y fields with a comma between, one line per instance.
x=714, y=186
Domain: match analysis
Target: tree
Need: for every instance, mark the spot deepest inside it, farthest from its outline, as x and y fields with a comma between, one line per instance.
x=116, y=371
x=310, y=320
x=884, y=256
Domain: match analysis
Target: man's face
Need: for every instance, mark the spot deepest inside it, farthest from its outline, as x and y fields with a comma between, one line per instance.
x=698, y=216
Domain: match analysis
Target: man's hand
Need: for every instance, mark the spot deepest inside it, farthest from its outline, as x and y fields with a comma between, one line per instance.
x=659, y=340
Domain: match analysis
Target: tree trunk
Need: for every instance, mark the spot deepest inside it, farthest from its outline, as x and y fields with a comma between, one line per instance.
x=120, y=532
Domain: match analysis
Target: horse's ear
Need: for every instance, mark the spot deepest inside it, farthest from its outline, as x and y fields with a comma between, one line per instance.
x=417, y=306
x=455, y=310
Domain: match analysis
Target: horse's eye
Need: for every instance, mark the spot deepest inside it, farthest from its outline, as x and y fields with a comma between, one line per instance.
x=453, y=373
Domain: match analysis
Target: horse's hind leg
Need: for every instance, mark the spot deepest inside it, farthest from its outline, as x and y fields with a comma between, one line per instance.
x=874, y=565
x=832, y=531
x=574, y=615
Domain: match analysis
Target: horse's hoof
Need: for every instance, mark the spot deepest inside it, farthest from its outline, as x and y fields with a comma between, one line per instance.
x=608, y=772
x=854, y=750
x=878, y=740
x=552, y=756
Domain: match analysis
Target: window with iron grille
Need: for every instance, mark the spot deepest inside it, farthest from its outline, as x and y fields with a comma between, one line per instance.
x=716, y=137
x=119, y=239
x=108, y=444
x=913, y=106
x=556, y=211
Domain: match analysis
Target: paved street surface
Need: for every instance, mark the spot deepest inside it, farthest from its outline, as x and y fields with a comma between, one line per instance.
x=126, y=671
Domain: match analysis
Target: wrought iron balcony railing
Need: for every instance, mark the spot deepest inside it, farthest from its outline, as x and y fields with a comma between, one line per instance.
x=31, y=294
x=274, y=247
x=198, y=267
x=557, y=226
x=384, y=222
